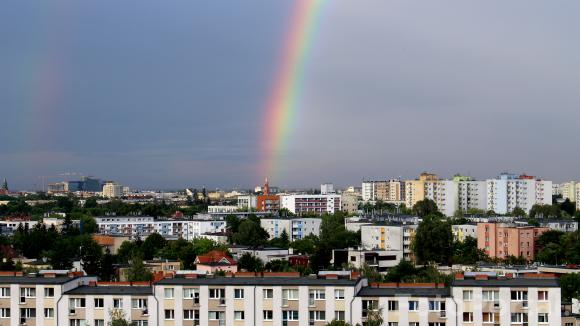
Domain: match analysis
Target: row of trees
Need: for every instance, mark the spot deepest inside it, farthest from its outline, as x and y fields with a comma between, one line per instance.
x=556, y=247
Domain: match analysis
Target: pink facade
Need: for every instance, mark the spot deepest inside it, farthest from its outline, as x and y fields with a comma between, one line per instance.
x=502, y=240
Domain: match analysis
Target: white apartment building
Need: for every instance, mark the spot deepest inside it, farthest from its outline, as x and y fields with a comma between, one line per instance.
x=247, y=201
x=509, y=191
x=445, y=194
x=327, y=189
x=317, y=204
x=296, y=228
x=142, y=226
x=472, y=195
x=222, y=209
x=112, y=190
x=388, y=237
x=245, y=299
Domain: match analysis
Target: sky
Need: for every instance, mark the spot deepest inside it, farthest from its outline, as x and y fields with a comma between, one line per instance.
x=172, y=94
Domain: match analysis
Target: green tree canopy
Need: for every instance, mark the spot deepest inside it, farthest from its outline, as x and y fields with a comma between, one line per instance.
x=250, y=233
x=425, y=207
x=433, y=241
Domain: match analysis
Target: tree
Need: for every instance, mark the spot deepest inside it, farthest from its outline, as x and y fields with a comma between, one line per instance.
x=152, y=244
x=88, y=224
x=91, y=255
x=250, y=233
x=232, y=226
x=202, y=246
x=118, y=319
x=305, y=246
x=278, y=265
x=91, y=203
x=545, y=211
x=137, y=271
x=570, y=284
x=107, y=271
x=518, y=212
x=467, y=253
x=568, y=207
x=250, y=263
x=336, y=322
x=127, y=250
x=433, y=241
x=374, y=317
x=425, y=207
x=283, y=241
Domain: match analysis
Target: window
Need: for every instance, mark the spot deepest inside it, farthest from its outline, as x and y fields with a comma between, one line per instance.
x=217, y=293
x=239, y=315
x=168, y=293
x=238, y=293
x=436, y=324
x=489, y=317
x=99, y=303
x=28, y=292
x=490, y=295
x=290, y=315
x=519, y=295
x=317, y=315
x=188, y=314
x=542, y=295
x=339, y=314
x=392, y=323
x=290, y=294
x=413, y=305
x=74, y=303
x=414, y=324
x=216, y=315
x=370, y=304
x=268, y=293
x=190, y=293
x=317, y=294
x=436, y=305
x=542, y=318
x=468, y=317
x=268, y=314
x=138, y=303
x=467, y=295
x=169, y=314
x=519, y=318
x=392, y=305
x=339, y=294
x=5, y=292
x=48, y=312
x=99, y=322
x=27, y=313
x=5, y=313
x=118, y=303
x=49, y=292
x=77, y=322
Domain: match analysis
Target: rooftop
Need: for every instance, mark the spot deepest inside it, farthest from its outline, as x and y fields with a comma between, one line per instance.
x=260, y=281
x=528, y=280
x=111, y=289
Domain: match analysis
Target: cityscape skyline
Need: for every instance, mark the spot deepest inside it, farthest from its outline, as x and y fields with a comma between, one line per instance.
x=387, y=89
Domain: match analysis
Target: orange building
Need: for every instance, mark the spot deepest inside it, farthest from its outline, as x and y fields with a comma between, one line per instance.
x=500, y=240
x=267, y=203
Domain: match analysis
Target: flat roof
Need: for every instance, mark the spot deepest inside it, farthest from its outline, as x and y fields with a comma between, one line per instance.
x=509, y=282
x=115, y=290
x=404, y=292
x=263, y=281
x=35, y=280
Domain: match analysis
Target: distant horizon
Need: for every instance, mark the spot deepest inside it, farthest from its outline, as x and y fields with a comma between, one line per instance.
x=169, y=94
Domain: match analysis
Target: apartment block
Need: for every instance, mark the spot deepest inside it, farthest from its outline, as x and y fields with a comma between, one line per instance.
x=568, y=190
x=311, y=204
x=462, y=231
x=445, y=194
x=391, y=191
x=510, y=191
x=500, y=240
x=389, y=237
x=296, y=228
x=244, y=299
x=247, y=201
x=142, y=226
x=471, y=194
x=267, y=203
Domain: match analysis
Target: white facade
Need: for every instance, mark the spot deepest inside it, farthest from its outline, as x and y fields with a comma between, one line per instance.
x=317, y=204
x=568, y=190
x=445, y=194
x=509, y=192
x=144, y=226
x=326, y=189
x=382, y=237
x=472, y=195
x=247, y=201
x=222, y=209
x=296, y=228
x=462, y=231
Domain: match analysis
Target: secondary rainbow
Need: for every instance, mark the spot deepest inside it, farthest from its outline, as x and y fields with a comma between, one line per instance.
x=285, y=96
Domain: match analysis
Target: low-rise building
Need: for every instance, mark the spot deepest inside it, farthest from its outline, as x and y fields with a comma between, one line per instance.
x=462, y=231
x=501, y=240
x=214, y=261
x=381, y=260
x=222, y=209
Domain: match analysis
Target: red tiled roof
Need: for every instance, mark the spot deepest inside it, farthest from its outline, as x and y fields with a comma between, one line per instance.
x=215, y=256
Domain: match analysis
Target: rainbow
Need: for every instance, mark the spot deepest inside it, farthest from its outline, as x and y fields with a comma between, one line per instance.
x=285, y=95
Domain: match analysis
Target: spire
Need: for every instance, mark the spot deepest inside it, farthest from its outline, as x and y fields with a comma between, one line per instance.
x=5, y=185
x=266, y=187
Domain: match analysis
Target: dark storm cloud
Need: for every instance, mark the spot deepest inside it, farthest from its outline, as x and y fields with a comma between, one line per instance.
x=170, y=94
